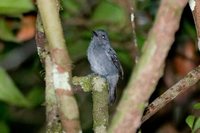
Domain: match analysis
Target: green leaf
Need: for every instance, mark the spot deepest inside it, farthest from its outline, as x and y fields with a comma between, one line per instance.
x=36, y=96
x=15, y=7
x=197, y=124
x=190, y=121
x=4, y=127
x=196, y=106
x=108, y=12
x=5, y=33
x=9, y=93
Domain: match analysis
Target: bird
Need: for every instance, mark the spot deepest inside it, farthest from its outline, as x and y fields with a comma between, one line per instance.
x=104, y=62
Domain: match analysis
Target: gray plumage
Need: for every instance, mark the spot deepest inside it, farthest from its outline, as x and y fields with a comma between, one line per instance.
x=103, y=61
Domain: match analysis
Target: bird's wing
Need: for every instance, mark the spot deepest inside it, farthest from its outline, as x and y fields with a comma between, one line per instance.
x=113, y=57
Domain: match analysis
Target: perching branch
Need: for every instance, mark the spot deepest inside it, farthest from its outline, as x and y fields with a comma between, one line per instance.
x=149, y=68
x=180, y=87
x=84, y=82
x=100, y=105
x=98, y=86
x=61, y=65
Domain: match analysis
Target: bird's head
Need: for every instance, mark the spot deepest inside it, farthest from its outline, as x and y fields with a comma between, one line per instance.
x=100, y=37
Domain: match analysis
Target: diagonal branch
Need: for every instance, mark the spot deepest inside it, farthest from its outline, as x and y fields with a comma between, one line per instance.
x=183, y=85
x=149, y=68
x=180, y=87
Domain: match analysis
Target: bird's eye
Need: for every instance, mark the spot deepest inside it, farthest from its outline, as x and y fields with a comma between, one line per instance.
x=103, y=36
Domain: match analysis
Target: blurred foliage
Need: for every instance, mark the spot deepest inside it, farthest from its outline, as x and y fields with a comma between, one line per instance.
x=22, y=87
x=12, y=8
x=9, y=92
x=194, y=121
x=107, y=12
x=4, y=127
x=15, y=8
x=6, y=33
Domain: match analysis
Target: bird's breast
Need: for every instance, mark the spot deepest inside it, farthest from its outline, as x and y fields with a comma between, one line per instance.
x=99, y=61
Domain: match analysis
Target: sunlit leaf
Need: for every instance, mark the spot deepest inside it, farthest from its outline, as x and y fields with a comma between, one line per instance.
x=196, y=106
x=15, y=7
x=9, y=93
x=197, y=124
x=190, y=121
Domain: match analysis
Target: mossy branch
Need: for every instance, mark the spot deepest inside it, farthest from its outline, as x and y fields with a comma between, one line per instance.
x=98, y=86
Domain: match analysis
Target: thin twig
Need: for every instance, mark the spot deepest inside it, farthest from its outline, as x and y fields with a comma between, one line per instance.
x=180, y=87
x=128, y=6
x=132, y=18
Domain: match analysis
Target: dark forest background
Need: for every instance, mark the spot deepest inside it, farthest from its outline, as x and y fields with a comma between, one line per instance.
x=22, y=104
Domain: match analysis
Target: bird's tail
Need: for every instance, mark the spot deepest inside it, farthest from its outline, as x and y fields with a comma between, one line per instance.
x=112, y=80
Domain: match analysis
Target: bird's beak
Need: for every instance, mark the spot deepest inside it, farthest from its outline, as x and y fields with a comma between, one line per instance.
x=94, y=33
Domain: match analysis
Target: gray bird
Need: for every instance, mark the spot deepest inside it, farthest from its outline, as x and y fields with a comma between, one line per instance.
x=103, y=61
